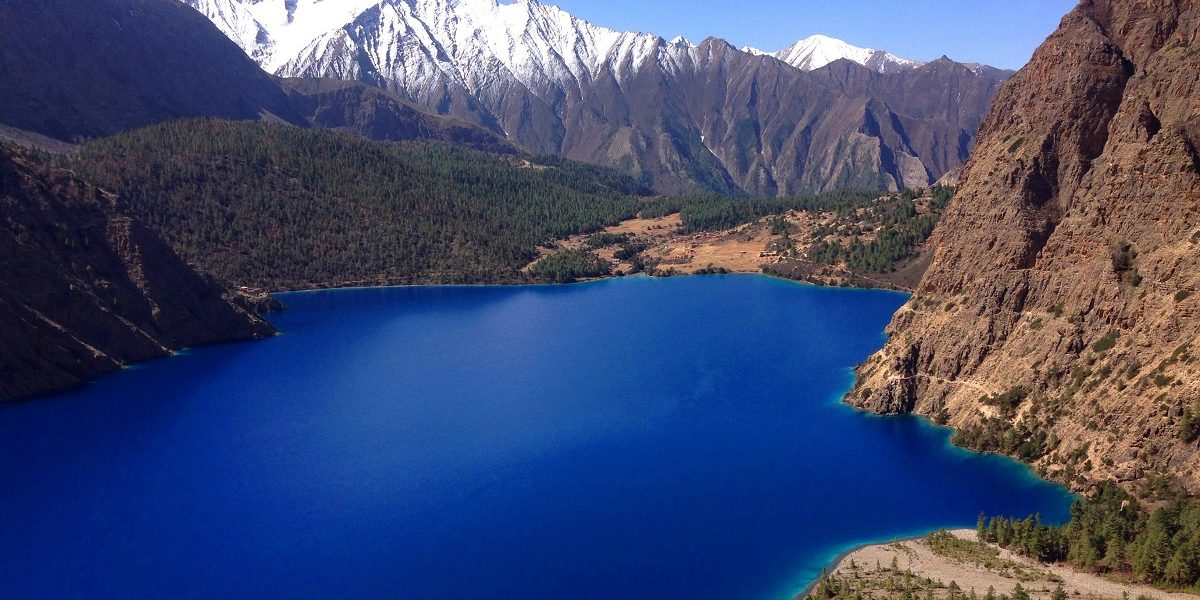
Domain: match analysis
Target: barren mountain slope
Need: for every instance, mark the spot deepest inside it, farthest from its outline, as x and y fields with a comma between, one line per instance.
x=1066, y=269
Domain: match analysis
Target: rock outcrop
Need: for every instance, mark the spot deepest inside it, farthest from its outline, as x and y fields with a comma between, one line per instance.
x=85, y=289
x=1059, y=319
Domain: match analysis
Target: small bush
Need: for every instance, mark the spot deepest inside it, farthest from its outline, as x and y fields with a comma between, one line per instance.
x=1008, y=401
x=1106, y=343
x=1182, y=295
x=1124, y=259
x=779, y=225
x=1189, y=427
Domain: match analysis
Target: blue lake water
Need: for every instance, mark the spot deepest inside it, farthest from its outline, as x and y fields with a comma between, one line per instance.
x=637, y=438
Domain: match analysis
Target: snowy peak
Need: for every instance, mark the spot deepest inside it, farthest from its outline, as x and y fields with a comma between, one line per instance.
x=273, y=31
x=410, y=43
x=817, y=51
x=537, y=43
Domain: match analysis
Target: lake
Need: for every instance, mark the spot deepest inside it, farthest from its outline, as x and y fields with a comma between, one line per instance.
x=634, y=438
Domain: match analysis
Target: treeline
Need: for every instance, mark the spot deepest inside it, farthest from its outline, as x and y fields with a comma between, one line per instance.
x=712, y=212
x=1111, y=533
x=280, y=207
x=902, y=231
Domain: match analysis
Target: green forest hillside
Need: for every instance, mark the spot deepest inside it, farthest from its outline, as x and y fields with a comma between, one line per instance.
x=279, y=207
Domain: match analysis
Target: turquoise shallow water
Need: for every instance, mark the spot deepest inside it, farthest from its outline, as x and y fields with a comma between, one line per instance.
x=636, y=438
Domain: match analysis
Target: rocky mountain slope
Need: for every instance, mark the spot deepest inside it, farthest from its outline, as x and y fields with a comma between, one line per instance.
x=1059, y=319
x=76, y=69
x=684, y=116
x=376, y=114
x=85, y=289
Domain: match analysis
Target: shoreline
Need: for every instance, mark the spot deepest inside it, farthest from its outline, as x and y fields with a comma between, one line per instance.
x=349, y=287
x=516, y=284
x=836, y=561
x=959, y=558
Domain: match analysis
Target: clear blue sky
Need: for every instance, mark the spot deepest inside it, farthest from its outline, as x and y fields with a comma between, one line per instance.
x=1001, y=33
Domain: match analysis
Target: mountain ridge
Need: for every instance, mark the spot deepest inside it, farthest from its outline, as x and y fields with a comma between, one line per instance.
x=556, y=84
x=73, y=70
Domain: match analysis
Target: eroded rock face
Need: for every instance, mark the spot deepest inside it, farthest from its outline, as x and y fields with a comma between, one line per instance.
x=85, y=289
x=1067, y=269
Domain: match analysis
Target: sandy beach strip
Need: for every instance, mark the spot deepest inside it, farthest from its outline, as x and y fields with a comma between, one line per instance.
x=871, y=565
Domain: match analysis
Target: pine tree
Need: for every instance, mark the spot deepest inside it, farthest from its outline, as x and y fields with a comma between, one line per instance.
x=955, y=591
x=1059, y=593
x=1019, y=593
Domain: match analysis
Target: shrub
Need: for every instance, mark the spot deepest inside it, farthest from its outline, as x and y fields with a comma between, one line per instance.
x=779, y=225
x=1106, y=343
x=1008, y=401
x=1189, y=427
x=1124, y=259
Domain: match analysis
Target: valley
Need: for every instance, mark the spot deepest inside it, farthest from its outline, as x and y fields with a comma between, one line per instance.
x=174, y=172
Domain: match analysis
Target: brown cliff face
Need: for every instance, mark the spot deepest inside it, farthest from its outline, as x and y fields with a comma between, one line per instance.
x=85, y=289
x=1059, y=319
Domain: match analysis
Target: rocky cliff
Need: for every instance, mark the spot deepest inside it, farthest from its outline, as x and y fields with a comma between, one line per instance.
x=85, y=289
x=1059, y=319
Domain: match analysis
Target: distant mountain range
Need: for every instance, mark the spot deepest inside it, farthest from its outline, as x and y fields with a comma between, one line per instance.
x=819, y=115
x=522, y=77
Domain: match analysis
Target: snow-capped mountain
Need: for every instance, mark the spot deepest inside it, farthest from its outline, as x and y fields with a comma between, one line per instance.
x=417, y=43
x=684, y=115
x=271, y=31
x=817, y=51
